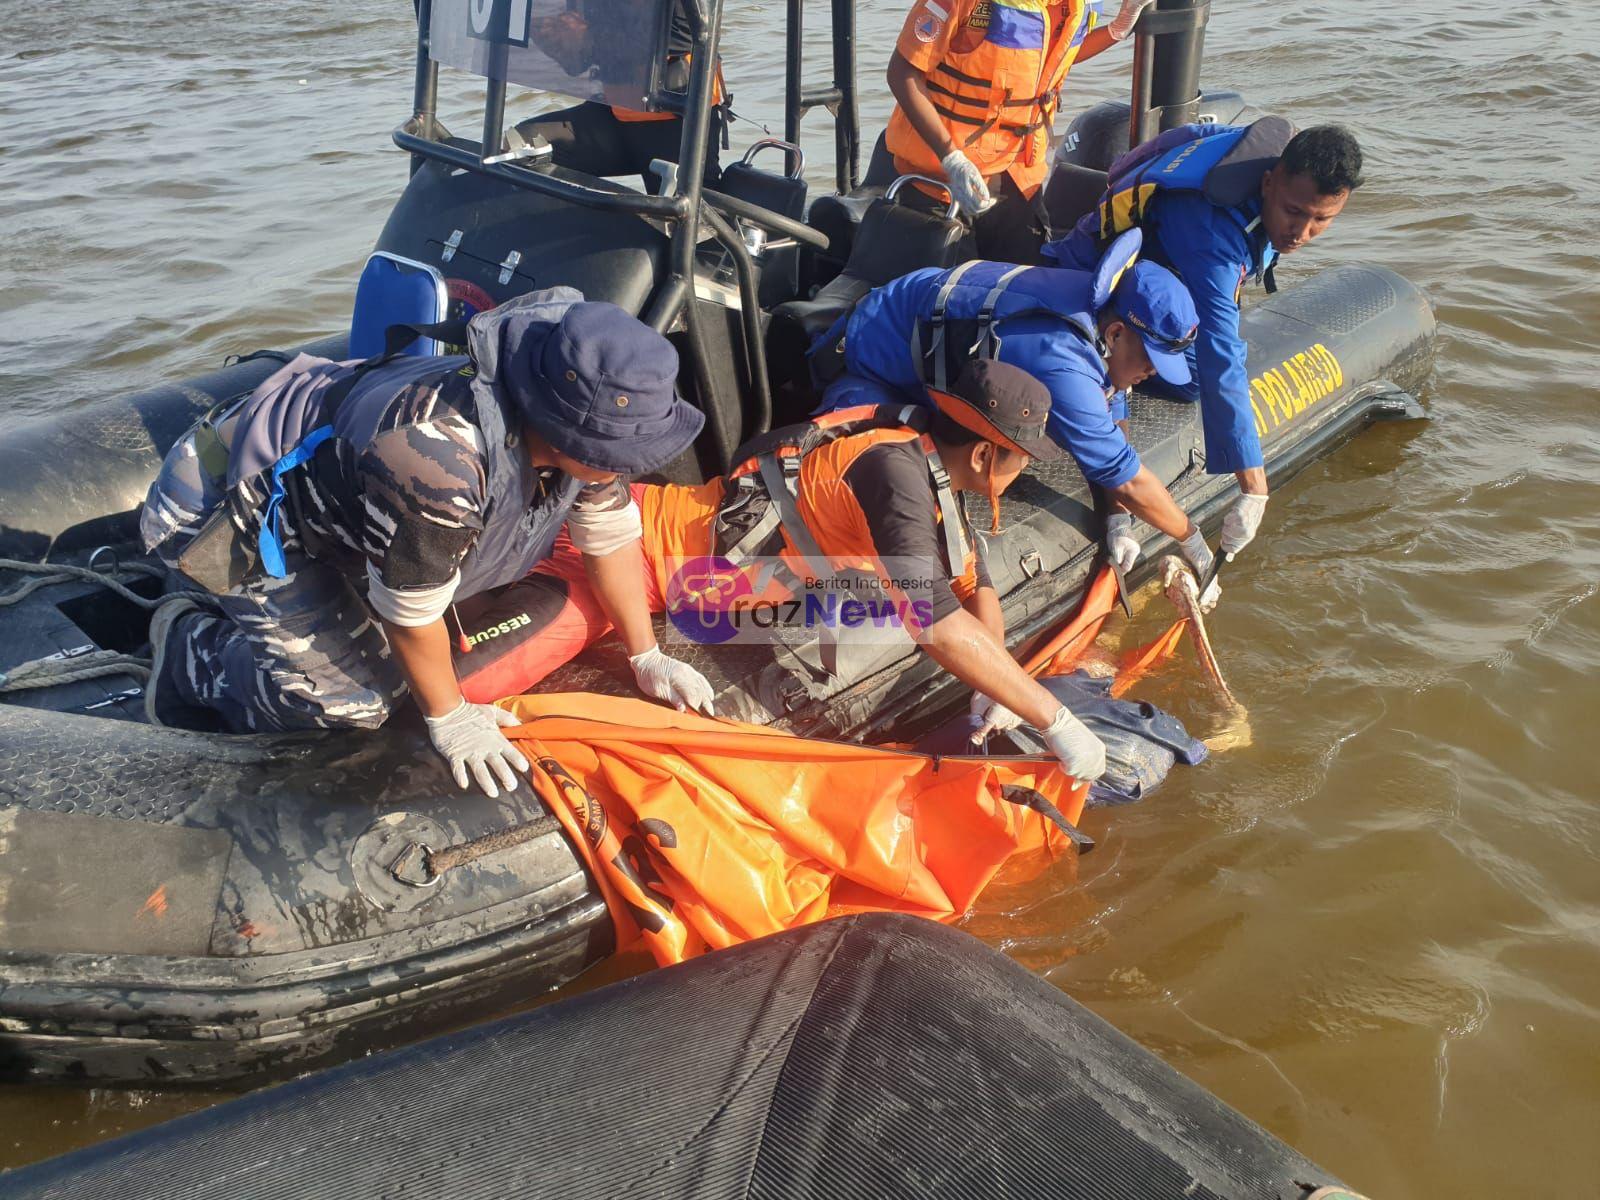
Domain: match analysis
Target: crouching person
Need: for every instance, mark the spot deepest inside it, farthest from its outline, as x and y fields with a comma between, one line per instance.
x=337, y=512
x=874, y=489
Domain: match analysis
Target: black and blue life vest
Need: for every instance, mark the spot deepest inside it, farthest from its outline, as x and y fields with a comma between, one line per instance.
x=1224, y=163
x=1220, y=162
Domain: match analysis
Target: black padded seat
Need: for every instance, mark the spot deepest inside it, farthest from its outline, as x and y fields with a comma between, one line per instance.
x=893, y=240
x=779, y=193
x=1069, y=192
x=838, y=217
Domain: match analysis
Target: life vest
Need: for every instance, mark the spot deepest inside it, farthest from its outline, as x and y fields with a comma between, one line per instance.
x=760, y=502
x=958, y=324
x=1222, y=162
x=760, y=513
x=996, y=86
x=287, y=420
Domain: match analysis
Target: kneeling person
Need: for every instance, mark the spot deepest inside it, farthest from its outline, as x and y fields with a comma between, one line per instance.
x=871, y=486
x=377, y=493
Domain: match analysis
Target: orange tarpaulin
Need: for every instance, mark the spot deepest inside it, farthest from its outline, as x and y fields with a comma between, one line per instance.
x=706, y=833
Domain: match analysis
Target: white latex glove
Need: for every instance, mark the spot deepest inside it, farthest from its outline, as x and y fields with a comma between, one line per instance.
x=670, y=679
x=1243, y=520
x=966, y=183
x=996, y=717
x=469, y=738
x=1081, y=754
x=1199, y=556
x=1122, y=24
x=1120, y=542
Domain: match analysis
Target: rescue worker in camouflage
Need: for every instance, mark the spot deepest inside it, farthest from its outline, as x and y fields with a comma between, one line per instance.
x=368, y=497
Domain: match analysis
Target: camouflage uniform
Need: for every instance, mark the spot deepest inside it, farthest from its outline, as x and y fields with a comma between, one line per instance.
x=306, y=650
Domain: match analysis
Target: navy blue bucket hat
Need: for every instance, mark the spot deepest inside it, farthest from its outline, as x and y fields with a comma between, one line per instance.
x=601, y=390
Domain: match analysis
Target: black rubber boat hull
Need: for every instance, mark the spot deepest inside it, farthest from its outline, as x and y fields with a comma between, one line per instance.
x=248, y=873
x=871, y=1056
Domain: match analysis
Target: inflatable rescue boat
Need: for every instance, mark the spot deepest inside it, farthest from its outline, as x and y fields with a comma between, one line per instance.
x=869, y=1056
x=200, y=907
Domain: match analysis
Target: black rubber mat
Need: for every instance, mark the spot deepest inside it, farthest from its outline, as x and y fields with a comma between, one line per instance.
x=873, y=1056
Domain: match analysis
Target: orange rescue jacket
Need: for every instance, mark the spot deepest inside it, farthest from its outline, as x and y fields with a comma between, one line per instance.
x=993, y=70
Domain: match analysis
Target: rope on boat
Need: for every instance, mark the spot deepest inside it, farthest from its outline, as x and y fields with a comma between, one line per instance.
x=420, y=865
x=53, y=573
x=54, y=670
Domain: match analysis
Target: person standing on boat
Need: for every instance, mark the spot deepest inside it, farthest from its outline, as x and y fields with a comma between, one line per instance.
x=875, y=489
x=615, y=136
x=1086, y=336
x=338, y=511
x=976, y=84
x=1219, y=205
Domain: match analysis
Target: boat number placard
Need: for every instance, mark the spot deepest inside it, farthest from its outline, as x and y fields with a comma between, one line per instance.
x=502, y=21
x=1280, y=395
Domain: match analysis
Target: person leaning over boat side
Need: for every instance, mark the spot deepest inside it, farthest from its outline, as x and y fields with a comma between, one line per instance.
x=613, y=137
x=377, y=493
x=1085, y=336
x=871, y=487
x=1219, y=205
x=976, y=85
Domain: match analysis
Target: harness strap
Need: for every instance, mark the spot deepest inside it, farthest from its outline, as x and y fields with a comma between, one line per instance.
x=269, y=543
x=955, y=534
x=755, y=537
x=987, y=345
x=780, y=480
x=941, y=302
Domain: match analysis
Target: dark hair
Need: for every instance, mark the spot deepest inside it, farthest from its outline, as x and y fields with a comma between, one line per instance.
x=951, y=432
x=1329, y=154
x=957, y=436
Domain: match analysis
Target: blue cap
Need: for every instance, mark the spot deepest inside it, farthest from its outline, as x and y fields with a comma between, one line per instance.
x=606, y=382
x=1155, y=303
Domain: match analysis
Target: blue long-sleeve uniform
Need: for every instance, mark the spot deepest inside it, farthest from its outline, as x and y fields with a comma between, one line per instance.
x=1214, y=251
x=881, y=369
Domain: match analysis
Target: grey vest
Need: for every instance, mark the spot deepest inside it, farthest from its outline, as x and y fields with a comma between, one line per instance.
x=520, y=527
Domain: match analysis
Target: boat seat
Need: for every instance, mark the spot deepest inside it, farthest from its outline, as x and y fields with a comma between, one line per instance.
x=840, y=217
x=894, y=239
x=1069, y=193
x=396, y=291
x=783, y=194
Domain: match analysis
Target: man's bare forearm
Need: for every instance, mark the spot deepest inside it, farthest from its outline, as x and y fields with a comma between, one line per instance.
x=963, y=646
x=423, y=652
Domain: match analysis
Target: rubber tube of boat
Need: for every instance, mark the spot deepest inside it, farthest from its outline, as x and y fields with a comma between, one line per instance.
x=1169, y=45
x=74, y=480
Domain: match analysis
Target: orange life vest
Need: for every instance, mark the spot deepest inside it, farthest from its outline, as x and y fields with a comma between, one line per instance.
x=826, y=527
x=993, y=70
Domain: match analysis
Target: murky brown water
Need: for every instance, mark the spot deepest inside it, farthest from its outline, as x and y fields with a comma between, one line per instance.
x=1377, y=931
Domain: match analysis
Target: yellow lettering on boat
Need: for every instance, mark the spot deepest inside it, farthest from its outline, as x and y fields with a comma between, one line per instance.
x=1281, y=393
